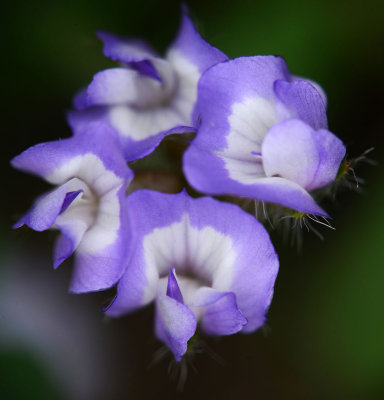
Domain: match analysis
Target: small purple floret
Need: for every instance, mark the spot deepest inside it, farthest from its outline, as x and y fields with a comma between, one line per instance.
x=253, y=106
x=147, y=97
x=224, y=267
x=87, y=204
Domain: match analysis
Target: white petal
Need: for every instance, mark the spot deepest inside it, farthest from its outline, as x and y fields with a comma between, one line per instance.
x=97, y=209
x=249, y=122
x=188, y=76
x=142, y=124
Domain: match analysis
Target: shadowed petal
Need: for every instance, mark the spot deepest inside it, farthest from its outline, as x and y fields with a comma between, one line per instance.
x=221, y=316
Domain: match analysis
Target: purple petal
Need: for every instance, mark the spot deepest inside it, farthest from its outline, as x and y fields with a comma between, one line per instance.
x=69, y=197
x=173, y=289
x=94, y=272
x=293, y=150
x=96, y=138
x=175, y=324
x=331, y=152
x=134, y=53
x=235, y=80
x=319, y=89
x=45, y=210
x=102, y=254
x=255, y=275
x=194, y=48
x=146, y=68
x=66, y=244
x=304, y=102
x=221, y=314
x=124, y=49
x=64, y=248
x=81, y=120
x=80, y=99
x=133, y=286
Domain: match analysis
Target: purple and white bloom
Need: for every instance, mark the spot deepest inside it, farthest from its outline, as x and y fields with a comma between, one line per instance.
x=263, y=135
x=147, y=97
x=87, y=205
x=202, y=261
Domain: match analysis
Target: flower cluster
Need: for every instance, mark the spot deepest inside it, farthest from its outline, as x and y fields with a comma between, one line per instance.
x=261, y=133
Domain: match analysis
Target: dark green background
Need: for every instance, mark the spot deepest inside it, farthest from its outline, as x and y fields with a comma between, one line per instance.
x=325, y=333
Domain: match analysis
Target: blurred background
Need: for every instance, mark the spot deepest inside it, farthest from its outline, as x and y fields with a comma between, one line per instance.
x=325, y=333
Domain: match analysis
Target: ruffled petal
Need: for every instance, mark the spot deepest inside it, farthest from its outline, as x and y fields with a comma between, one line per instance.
x=293, y=150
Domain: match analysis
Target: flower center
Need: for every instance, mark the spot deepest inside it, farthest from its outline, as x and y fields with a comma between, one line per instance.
x=84, y=207
x=157, y=93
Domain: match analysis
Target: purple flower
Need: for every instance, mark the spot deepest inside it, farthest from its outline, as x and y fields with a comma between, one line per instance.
x=263, y=135
x=147, y=97
x=202, y=262
x=87, y=205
